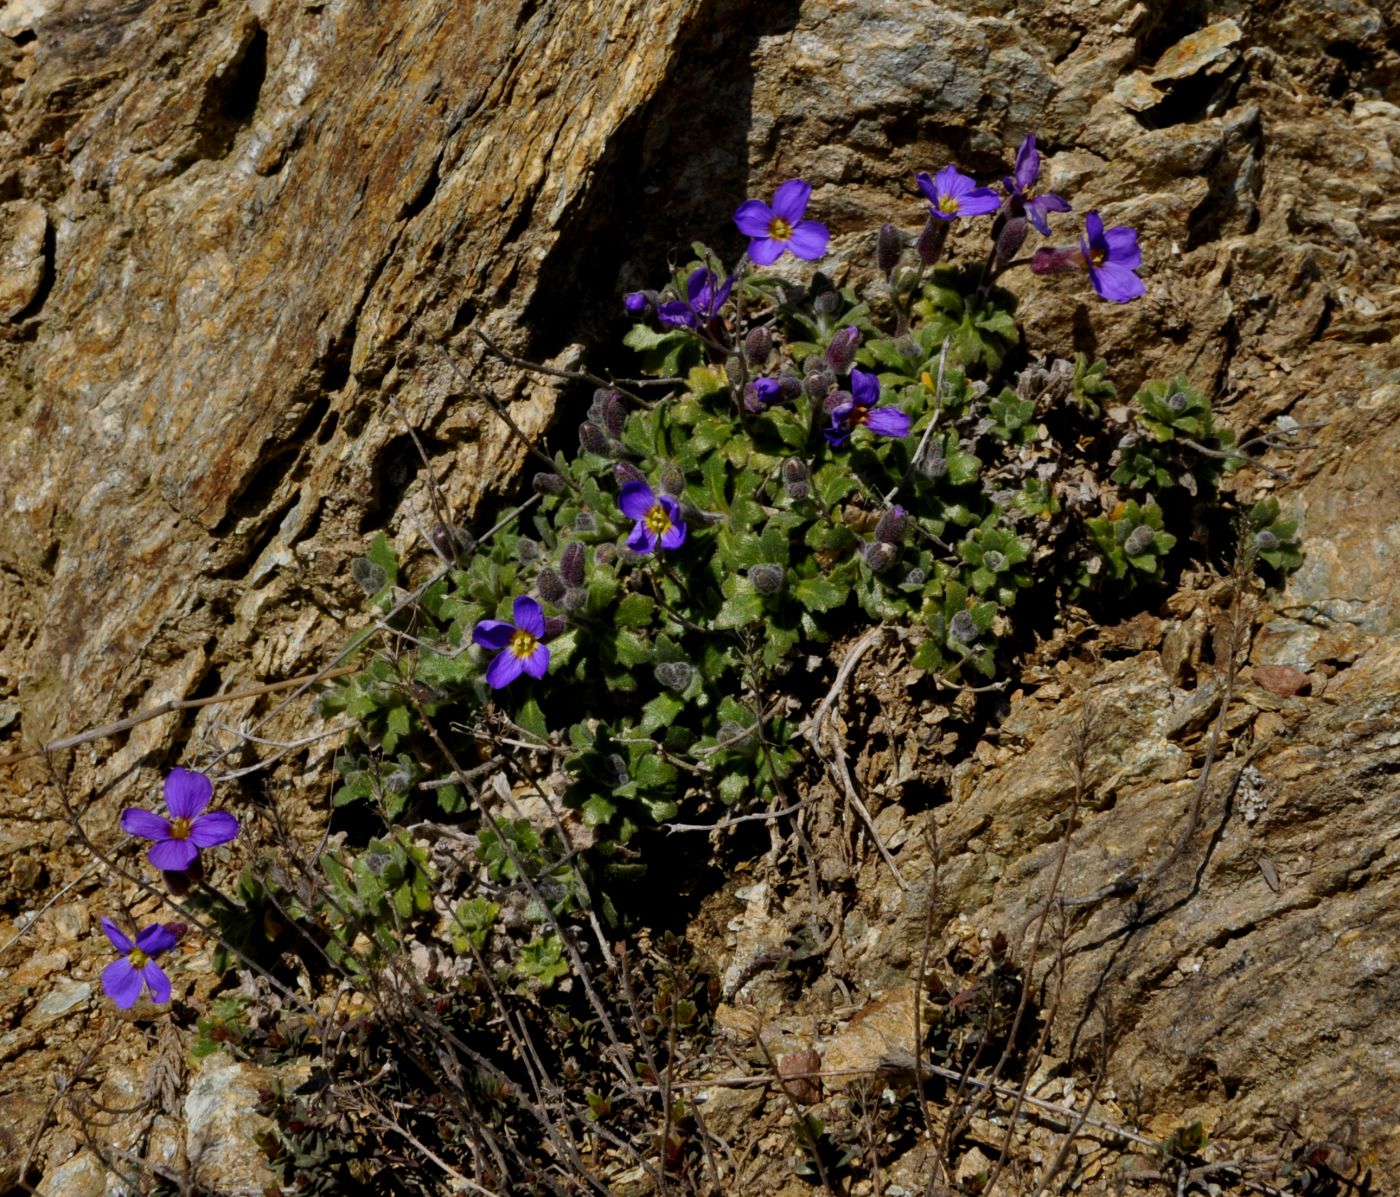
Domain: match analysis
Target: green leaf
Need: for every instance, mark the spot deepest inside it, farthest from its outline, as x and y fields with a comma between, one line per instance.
x=819, y=594
x=634, y=611
x=531, y=718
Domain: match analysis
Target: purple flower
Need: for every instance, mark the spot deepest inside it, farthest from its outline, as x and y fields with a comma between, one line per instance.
x=781, y=227
x=762, y=393
x=862, y=410
x=658, y=518
x=179, y=838
x=123, y=979
x=706, y=294
x=636, y=303
x=1019, y=184
x=1112, y=256
x=952, y=194
x=521, y=650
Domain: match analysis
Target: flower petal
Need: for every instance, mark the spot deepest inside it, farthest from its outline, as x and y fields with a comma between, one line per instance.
x=635, y=500
x=156, y=938
x=888, y=421
x=493, y=633
x=1093, y=227
x=1027, y=163
x=122, y=983
x=642, y=539
x=1115, y=283
x=753, y=218
x=172, y=856
x=978, y=202
x=537, y=663
x=865, y=388
x=950, y=181
x=156, y=981
x=217, y=827
x=699, y=281
x=927, y=186
x=766, y=252
x=187, y=792
x=1037, y=210
x=117, y=936
x=790, y=200
x=676, y=314
x=503, y=670
x=809, y=240
x=837, y=435
x=1123, y=247
x=674, y=536
x=146, y=824
x=528, y=616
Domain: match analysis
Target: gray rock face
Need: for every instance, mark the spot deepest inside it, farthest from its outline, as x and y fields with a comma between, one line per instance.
x=232, y=238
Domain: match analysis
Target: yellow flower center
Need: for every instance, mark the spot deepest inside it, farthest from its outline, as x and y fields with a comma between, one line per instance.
x=179, y=829
x=657, y=521
x=949, y=204
x=522, y=644
x=779, y=229
x=1097, y=257
x=137, y=957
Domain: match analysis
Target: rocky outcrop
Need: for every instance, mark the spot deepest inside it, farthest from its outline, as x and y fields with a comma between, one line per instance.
x=236, y=237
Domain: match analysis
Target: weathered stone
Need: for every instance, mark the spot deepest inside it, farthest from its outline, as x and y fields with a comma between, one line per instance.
x=25, y=226
x=221, y=1122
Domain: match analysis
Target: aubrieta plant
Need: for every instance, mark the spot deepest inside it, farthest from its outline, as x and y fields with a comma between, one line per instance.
x=811, y=460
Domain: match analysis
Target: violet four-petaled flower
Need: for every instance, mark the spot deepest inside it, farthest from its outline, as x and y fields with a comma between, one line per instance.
x=951, y=194
x=123, y=979
x=180, y=837
x=705, y=296
x=774, y=230
x=1020, y=183
x=519, y=643
x=762, y=393
x=1111, y=256
x=658, y=518
x=863, y=412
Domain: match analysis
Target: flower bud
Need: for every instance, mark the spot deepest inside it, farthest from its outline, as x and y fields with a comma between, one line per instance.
x=674, y=675
x=1265, y=541
x=836, y=400
x=585, y=522
x=766, y=578
x=818, y=383
x=734, y=369
x=605, y=554
x=571, y=564
x=553, y=625
x=931, y=463
x=370, y=577
x=626, y=472
x=789, y=385
x=841, y=352
x=527, y=549
x=1011, y=237
x=1140, y=539
x=672, y=480
x=637, y=302
x=610, y=409
x=551, y=586
x=929, y=245
x=449, y=539
x=963, y=628
x=575, y=599
x=1177, y=401
x=1056, y=261
x=796, y=491
x=615, y=769
x=794, y=470
x=594, y=439
x=758, y=345
x=915, y=577
x=890, y=529
x=547, y=484
x=879, y=555
x=993, y=560
x=889, y=245
x=828, y=303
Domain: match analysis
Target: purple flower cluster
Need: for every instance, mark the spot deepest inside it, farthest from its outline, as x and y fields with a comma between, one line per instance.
x=705, y=295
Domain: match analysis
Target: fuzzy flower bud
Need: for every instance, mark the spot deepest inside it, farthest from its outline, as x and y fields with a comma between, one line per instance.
x=915, y=577
x=626, y=472
x=638, y=302
x=789, y=385
x=766, y=578
x=929, y=246
x=553, y=626
x=734, y=369
x=674, y=675
x=551, y=586
x=1265, y=541
x=879, y=555
x=672, y=480
x=585, y=523
x=841, y=352
x=890, y=529
x=1140, y=539
x=611, y=408
x=963, y=628
x=794, y=470
x=372, y=578
x=797, y=491
x=828, y=303
x=547, y=484
x=527, y=549
x=571, y=564
x=605, y=554
x=889, y=245
x=1177, y=401
x=1011, y=237
x=594, y=439
x=837, y=399
x=758, y=345
x=575, y=599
